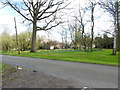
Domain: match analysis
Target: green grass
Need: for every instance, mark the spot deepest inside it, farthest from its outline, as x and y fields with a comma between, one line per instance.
x=6, y=69
x=95, y=57
x=3, y=66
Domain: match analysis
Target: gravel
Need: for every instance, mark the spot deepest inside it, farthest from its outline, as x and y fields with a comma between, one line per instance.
x=33, y=79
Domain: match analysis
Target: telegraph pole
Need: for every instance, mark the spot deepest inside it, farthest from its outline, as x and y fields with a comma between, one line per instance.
x=16, y=36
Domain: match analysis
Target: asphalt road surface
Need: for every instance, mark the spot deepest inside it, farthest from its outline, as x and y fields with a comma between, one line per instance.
x=80, y=74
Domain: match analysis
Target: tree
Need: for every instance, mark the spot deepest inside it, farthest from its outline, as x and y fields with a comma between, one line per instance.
x=116, y=23
x=25, y=40
x=118, y=5
x=88, y=42
x=75, y=34
x=104, y=42
x=38, y=42
x=98, y=42
x=82, y=22
x=64, y=34
x=41, y=13
x=7, y=42
x=92, y=7
x=113, y=8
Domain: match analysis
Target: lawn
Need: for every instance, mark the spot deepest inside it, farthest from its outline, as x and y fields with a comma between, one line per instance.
x=96, y=57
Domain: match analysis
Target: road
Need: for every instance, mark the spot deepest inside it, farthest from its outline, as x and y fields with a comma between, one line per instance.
x=80, y=74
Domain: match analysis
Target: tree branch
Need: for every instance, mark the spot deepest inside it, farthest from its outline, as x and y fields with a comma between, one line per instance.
x=29, y=8
x=16, y=9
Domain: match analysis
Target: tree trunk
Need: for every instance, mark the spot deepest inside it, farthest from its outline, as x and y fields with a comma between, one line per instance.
x=85, y=44
x=116, y=28
x=118, y=25
x=33, y=43
x=114, y=42
x=114, y=46
x=92, y=31
x=84, y=40
x=92, y=27
x=91, y=40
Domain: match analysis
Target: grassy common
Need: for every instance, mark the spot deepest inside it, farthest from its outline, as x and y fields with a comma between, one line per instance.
x=96, y=57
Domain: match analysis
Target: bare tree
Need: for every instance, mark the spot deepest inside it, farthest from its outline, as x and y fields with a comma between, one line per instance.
x=64, y=35
x=82, y=22
x=75, y=34
x=92, y=7
x=113, y=8
x=41, y=13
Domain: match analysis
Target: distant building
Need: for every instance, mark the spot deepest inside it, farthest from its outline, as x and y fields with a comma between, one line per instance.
x=48, y=44
x=52, y=47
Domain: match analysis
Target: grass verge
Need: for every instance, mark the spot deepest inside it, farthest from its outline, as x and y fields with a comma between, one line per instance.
x=96, y=57
x=3, y=66
x=6, y=69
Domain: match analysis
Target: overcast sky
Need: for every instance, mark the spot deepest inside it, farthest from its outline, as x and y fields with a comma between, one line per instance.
x=7, y=20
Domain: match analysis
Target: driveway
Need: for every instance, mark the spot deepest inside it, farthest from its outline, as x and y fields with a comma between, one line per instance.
x=80, y=74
